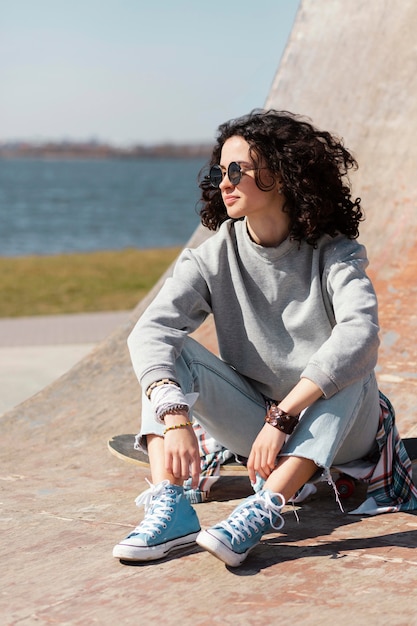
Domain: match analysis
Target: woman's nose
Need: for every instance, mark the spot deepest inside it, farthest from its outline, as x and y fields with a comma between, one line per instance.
x=225, y=182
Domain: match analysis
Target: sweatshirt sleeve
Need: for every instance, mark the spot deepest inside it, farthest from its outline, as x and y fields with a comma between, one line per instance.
x=180, y=307
x=351, y=351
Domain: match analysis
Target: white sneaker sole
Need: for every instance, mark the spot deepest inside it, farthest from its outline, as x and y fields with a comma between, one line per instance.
x=218, y=549
x=130, y=552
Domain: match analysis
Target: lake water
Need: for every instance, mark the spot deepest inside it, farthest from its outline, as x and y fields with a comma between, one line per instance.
x=53, y=206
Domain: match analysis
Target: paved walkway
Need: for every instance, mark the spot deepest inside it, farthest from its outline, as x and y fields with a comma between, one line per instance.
x=35, y=351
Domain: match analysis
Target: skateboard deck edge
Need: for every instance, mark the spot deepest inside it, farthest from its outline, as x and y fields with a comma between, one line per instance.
x=121, y=446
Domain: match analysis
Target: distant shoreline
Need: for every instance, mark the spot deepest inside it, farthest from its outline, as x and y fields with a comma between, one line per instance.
x=95, y=150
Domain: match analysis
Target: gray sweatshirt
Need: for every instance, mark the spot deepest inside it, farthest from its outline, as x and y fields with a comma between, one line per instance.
x=281, y=313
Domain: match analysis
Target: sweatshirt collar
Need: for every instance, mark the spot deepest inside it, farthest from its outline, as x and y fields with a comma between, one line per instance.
x=269, y=254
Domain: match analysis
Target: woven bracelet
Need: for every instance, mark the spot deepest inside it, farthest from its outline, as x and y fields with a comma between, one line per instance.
x=174, y=408
x=184, y=425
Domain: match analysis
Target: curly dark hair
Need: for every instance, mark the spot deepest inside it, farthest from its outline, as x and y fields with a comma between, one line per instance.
x=312, y=164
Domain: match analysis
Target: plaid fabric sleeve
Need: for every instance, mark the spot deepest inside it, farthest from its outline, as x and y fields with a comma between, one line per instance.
x=390, y=482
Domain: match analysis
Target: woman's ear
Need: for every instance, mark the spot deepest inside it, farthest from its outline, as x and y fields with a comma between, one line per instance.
x=279, y=184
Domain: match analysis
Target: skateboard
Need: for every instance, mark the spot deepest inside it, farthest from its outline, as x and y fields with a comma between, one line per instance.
x=122, y=446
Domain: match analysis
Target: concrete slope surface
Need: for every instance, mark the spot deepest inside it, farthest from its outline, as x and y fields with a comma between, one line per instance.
x=350, y=68
x=66, y=500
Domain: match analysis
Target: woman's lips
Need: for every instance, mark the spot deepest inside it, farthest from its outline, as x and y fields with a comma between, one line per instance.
x=229, y=200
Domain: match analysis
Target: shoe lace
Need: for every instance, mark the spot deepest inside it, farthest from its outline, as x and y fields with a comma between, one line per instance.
x=157, y=501
x=255, y=514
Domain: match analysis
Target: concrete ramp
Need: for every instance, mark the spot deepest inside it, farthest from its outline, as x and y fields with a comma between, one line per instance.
x=350, y=66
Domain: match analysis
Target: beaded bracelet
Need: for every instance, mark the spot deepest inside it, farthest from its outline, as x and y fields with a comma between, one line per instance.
x=184, y=425
x=158, y=383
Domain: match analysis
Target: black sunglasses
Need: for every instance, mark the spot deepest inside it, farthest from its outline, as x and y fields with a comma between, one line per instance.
x=234, y=173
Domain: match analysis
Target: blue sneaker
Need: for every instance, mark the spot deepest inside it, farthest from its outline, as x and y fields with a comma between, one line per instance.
x=232, y=540
x=170, y=522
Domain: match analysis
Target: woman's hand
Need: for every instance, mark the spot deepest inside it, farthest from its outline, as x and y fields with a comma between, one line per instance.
x=268, y=443
x=182, y=454
x=265, y=449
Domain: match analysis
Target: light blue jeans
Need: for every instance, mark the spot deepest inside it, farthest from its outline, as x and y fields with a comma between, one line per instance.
x=332, y=431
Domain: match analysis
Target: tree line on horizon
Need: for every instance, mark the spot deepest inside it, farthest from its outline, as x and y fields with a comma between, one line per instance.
x=97, y=150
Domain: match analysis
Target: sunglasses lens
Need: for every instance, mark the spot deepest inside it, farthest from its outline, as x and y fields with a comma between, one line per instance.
x=215, y=175
x=234, y=173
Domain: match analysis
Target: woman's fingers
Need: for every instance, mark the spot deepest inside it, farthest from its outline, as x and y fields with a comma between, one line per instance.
x=182, y=456
x=264, y=452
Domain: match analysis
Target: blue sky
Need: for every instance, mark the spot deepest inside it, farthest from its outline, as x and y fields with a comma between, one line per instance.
x=135, y=71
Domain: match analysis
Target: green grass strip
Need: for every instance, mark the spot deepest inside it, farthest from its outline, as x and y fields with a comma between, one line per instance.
x=78, y=283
